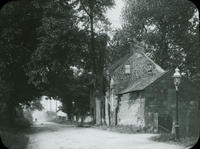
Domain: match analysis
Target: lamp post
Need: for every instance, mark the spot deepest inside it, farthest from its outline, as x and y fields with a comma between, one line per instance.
x=177, y=81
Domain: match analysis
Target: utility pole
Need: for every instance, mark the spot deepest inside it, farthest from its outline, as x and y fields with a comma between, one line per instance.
x=177, y=118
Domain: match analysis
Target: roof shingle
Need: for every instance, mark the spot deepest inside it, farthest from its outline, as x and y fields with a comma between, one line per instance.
x=141, y=84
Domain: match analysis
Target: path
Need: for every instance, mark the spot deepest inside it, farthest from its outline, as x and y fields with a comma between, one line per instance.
x=57, y=136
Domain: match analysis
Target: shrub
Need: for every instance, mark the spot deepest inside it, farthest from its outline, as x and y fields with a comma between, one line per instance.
x=13, y=140
x=123, y=129
x=168, y=137
x=164, y=137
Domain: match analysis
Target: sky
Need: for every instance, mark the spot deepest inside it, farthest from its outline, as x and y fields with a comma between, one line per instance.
x=114, y=14
x=50, y=105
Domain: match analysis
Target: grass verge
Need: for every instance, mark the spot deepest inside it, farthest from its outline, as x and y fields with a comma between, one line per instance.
x=14, y=136
x=188, y=142
x=129, y=129
x=66, y=122
x=14, y=140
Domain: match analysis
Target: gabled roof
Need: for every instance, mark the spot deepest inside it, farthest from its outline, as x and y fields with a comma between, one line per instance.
x=135, y=49
x=119, y=62
x=141, y=84
x=138, y=55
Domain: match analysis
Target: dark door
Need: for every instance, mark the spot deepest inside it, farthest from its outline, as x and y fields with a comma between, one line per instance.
x=164, y=123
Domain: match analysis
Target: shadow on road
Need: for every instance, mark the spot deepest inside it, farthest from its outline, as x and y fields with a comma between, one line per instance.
x=41, y=127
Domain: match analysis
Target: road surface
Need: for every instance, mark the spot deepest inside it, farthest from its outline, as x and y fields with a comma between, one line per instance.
x=58, y=136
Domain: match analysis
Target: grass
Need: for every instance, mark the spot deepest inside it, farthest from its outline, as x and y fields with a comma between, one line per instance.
x=164, y=137
x=170, y=138
x=129, y=129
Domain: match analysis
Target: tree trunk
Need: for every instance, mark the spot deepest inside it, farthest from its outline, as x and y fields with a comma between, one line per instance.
x=92, y=57
x=98, y=111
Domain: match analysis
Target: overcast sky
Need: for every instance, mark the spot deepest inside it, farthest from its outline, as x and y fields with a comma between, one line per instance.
x=114, y=14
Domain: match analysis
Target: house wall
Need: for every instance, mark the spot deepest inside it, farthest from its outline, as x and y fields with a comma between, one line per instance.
x=155, y=109
x=141, y=66
x=158, y=116
x=161, y=100
x=131, y=110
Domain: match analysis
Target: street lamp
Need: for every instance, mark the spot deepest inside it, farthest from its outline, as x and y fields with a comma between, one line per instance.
x=177, y=81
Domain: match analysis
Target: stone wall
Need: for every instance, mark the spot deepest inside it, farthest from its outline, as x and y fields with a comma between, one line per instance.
x=131, y=110
x=155, y=107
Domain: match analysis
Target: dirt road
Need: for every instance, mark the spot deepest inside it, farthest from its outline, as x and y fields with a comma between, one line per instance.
x=57, y=136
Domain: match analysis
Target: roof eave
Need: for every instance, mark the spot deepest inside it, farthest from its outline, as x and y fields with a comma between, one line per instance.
x=122, y=93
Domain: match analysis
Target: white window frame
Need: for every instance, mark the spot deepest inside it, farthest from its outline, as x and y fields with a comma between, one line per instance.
x=127, y=69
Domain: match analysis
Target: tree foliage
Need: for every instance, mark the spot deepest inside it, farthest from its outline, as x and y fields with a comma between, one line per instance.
x=18, y=40
x=169, y=29
x=19, y=21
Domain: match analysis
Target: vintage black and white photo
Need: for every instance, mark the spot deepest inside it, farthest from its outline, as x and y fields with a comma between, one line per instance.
x=99, y=74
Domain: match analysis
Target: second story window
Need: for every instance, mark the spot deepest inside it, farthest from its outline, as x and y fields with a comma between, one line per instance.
x=127, y=69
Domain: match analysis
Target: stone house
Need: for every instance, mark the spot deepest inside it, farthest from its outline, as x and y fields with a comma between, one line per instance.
x=142, y=94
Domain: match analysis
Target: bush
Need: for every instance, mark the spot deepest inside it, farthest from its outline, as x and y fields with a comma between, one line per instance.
x=23, y=123
x=13, y=140
x=122, y=129
x=164, y=137
x=168, y=137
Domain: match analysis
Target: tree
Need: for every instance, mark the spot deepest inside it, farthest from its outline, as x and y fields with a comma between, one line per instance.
x=118, y=46
x=62, y=47
x=93, y=12
x=18, y=41
x=170, y=30
x=38, y=58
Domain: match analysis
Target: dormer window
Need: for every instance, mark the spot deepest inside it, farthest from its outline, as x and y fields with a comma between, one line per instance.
x=127, y=69
x=149, y=68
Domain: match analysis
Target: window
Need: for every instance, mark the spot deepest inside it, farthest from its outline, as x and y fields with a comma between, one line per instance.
x=127, y=69
x=148, y=67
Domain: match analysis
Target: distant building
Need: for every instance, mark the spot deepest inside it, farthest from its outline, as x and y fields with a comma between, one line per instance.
x=142, y=94
x=50, y=109
x=61, y=115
